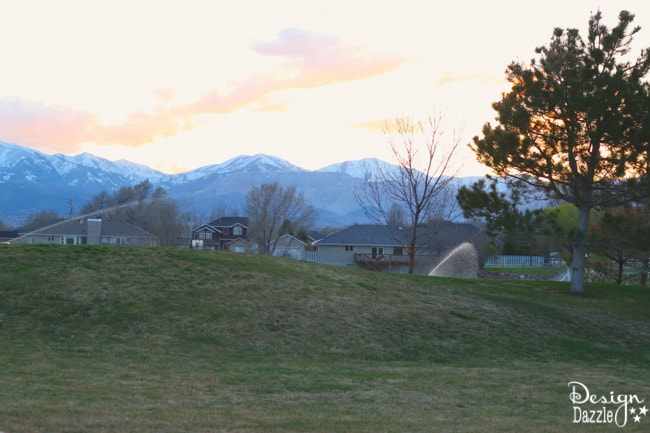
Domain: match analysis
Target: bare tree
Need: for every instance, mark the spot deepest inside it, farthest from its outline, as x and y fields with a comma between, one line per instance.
x=162, y=218
x=98, y=204
x=150, y=209
x=415, y=198
x=40, y=218
x=269, y=206
x=222, y=208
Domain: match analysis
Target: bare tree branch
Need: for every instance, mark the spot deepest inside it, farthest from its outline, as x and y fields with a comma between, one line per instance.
x=418, y=192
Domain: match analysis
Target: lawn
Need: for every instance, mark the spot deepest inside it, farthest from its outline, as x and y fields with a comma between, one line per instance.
x=543, y=271
x=100, y=339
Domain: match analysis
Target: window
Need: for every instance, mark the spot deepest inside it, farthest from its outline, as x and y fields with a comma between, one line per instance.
x=349, y=248
x=398, y=251
x=237, y=231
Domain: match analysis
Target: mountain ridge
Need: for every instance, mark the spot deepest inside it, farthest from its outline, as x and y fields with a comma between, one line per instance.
x=31, y=181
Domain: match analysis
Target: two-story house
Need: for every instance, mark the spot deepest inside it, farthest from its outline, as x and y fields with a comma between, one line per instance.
x=225, y=233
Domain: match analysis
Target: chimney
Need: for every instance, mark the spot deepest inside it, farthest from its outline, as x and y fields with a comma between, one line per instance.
x=94, y=231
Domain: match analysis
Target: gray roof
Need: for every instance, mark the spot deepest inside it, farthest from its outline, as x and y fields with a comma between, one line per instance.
x=229, y=222
x=314, y=235
x=79, y=227
x=382, y=235
x=452, y=234
x=365, y=234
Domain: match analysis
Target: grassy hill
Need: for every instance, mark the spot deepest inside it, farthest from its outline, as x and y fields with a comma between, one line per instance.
x=108, y=339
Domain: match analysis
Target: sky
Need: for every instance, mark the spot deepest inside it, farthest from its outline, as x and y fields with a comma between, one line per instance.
x=180, y=84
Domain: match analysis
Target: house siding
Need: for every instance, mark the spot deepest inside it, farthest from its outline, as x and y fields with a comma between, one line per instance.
x=90, y=231
x=335, y=255
x=218, y=234
x=354, y=247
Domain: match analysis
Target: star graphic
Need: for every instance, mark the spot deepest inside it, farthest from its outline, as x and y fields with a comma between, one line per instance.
x=643, y=411
x=632, y=410
x=637, y=418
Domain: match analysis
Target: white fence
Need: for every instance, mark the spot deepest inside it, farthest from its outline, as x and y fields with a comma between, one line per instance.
x=524, y=261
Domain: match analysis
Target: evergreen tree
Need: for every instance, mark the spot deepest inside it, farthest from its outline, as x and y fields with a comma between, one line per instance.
x=575, y=125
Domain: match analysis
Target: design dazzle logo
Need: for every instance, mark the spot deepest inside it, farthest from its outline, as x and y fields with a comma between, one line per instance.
x=592, y=408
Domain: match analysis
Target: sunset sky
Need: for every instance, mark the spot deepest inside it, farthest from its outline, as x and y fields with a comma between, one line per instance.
x=179, y=84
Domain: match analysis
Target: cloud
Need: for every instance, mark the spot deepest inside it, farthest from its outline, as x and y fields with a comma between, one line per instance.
x=141, y=127
x=64, y=129
x=310, y=60
x=48, y=127
x=372, y=125
x=321, y=59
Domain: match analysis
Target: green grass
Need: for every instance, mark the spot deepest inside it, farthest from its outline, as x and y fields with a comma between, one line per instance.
x=527, y=270
x=105, y=339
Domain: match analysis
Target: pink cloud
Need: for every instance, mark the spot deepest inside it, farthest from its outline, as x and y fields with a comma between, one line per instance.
x=64, y=129
x=323, y=59
x=241, y=94
x=312, y=60
x=47, y=127
x=140, y=128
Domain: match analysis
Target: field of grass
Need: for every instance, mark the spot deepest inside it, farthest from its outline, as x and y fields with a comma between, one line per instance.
x=106, y=339
x=542, y=271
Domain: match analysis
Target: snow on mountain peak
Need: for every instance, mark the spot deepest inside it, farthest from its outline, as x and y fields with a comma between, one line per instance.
x=257, y=163
x=358, y=168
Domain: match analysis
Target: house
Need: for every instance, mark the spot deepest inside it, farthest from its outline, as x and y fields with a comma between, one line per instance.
x=313, y=236
x=290, y=246
x=368, y=245
x=6, y=236
x=221, y=234
x=380, y=247
x=91, y=231
x=239, y=246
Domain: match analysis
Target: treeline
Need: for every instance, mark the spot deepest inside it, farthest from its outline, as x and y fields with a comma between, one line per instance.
x=273, y=210
x=149, y=208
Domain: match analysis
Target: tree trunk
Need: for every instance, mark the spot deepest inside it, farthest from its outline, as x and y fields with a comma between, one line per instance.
x=619, y=277
x=411, y=253
x=579, y=251
x=644, y=271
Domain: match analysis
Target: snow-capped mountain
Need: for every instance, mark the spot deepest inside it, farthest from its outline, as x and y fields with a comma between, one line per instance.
x=19, y=164
x=31, y=181
x=358, y=168
x=251, y=165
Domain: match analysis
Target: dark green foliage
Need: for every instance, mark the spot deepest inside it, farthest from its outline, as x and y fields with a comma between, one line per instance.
x=575, y=125
x=519, y=231
x=622, y=235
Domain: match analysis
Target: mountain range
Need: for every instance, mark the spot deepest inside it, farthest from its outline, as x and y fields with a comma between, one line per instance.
x=32, y=181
